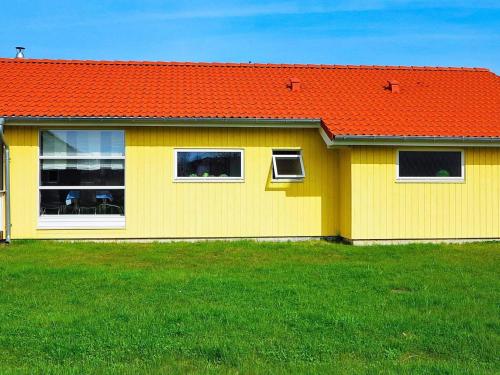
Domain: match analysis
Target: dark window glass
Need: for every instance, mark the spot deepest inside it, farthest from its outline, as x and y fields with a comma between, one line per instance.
x=73, y=159
x=208, y=164
x=430, y=164
x=82, y=202
x=288, y=166
x=82, y=172
x=288, y=163
x=286, y=152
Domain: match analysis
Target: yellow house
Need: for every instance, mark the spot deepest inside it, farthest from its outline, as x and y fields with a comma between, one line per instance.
x=139, y=150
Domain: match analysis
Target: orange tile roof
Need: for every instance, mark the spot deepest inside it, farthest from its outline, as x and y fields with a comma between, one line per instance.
x=350, y=100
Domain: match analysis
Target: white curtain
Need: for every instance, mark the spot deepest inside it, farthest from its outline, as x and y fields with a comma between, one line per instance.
x=58, y=164
x=111, y=164
x=88, y=165
x=82, y=165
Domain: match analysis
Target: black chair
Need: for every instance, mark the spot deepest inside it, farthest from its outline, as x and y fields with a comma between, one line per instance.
x=72, y=208
x=51, y=203
x=88, y=202
x=105, y=208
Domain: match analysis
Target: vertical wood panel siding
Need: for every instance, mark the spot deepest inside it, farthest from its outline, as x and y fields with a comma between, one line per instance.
x=385, y=209
x=158, y=207
x=345, y=193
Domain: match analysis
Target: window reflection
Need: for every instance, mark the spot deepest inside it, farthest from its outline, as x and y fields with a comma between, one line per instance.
x=82, y=142
x=208, y=164
x=82, y=202
x=441, y=164
x=85, y=172
x=82, y=172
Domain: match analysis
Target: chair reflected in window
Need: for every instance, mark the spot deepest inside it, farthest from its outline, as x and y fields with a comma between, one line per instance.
x=88, y=203
x=82, y=202
x=72, y=203
x=51, y=204
x=106, y=207
x=76, y=168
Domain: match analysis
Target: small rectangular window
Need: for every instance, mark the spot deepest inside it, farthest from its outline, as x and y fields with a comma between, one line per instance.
x=288, y=165
x=208, y=165
x=430, y=165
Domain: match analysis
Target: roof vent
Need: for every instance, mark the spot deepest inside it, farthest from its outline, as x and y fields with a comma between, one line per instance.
x=20, y=52
x=294, y=84
x=394, y=86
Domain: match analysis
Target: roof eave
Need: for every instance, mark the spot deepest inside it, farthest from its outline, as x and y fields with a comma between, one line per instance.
x=336, y=141
x=164, y=121
x=431, y=141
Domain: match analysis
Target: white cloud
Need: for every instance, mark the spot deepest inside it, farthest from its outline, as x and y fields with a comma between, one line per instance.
x=231, y=10
x=192, y=10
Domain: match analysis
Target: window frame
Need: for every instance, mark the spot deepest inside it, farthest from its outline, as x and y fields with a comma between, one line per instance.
x=460, y=179
x=287, y=178
x=75, y=221
x=241, y=151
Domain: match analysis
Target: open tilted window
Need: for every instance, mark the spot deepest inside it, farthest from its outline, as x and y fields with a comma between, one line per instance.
x=288, y=165
x=430, y=166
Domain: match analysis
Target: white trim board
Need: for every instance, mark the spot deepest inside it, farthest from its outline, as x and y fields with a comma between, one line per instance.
x=79, y=187
x=81, y=222
x=86, y=157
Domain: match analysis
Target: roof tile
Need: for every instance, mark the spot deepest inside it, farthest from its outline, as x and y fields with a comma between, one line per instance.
x=350, y=100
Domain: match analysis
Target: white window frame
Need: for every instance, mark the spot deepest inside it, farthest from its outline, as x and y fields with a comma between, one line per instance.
x=79, y=221
x=432, y=179
x=288, y=178
x=210, y=179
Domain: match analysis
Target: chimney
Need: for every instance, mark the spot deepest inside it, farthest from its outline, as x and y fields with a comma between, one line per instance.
x=394, y=86
x=294, y=84
x=20, y=52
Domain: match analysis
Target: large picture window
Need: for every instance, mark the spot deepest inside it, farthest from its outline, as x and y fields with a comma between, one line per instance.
x=82, y=173
x=208, y=165
x=430, y=165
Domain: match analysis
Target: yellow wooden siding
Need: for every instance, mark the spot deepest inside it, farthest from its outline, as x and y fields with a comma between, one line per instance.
x=385, y=209
x=158, y=207
x=345, y=194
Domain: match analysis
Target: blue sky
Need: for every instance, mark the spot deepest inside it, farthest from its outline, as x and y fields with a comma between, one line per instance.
x=380, y=32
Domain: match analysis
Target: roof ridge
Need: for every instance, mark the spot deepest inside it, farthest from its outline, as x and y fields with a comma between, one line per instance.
x=241, y=65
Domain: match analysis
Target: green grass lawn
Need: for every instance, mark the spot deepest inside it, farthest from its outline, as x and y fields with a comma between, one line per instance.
x=247, y=307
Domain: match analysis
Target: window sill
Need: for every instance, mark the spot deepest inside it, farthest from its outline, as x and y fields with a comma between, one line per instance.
x=208, y=179
x=81, y=222
x=449, y=180
x=286, y=180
